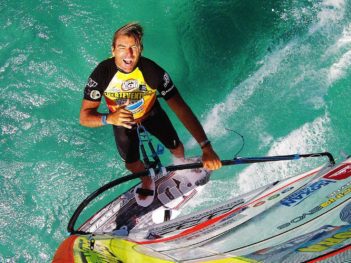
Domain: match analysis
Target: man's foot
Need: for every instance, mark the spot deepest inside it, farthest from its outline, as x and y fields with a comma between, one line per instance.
x=146, y=187
x=145, y=193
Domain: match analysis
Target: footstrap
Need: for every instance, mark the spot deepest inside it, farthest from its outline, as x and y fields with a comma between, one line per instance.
x=145, y=192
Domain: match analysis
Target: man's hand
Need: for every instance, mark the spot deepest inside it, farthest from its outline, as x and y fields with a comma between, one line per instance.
x=210, y=159
x=121, y=117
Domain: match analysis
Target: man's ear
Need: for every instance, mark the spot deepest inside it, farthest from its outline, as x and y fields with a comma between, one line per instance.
x=112, y=49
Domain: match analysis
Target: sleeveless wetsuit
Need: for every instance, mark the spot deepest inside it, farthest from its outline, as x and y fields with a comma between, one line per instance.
x=140, y=87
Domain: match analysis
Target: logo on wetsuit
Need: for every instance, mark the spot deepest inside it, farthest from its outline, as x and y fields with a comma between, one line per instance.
x=130, y=84
x=132, y=87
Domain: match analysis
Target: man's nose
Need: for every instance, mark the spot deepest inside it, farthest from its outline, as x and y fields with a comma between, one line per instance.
x=129, y=51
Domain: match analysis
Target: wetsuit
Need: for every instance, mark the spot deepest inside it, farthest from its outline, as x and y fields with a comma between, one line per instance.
x=140, y=87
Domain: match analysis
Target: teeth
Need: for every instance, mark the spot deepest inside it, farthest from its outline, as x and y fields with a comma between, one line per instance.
x=127, y=61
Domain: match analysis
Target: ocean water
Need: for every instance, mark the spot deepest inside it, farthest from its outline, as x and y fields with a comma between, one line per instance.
x=277, y=72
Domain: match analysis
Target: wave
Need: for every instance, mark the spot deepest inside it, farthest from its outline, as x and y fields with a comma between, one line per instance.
x=310, y=137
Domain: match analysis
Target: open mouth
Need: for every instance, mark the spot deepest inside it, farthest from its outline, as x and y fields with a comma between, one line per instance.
x=128, y=61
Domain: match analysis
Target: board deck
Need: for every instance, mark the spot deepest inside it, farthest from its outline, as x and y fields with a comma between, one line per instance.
x=173, y=191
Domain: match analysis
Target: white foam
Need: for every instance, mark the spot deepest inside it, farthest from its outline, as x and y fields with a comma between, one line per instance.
x=15, y=114
x=338, y=69
x=8, y=129
x=265, y=139
x=331, y=11
x=345, y=37
x=221, y=112
x=307, y=138
x=343, y=42
x=214, y=192
x=342, y=46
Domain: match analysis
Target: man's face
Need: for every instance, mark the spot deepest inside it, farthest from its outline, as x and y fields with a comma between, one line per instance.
x=127, y=52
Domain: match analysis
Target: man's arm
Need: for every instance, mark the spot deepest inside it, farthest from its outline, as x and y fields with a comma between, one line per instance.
x=90, y=117
x=187, y=117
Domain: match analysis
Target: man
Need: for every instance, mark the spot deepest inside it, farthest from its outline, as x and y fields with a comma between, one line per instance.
x=129, y=83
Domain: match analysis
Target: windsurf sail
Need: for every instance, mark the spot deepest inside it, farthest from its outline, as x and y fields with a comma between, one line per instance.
x=183, y=187
x=304, y=218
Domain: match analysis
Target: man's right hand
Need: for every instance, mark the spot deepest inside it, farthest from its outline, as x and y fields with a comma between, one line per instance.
x=90, y=117
x=121, y=117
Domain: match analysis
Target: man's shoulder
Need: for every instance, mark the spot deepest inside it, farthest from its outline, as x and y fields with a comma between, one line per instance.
x=105, y=68
x=109, y=62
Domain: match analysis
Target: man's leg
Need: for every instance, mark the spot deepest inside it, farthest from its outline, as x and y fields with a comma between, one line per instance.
x=146, y=181
x=127, y=142
x=161, y=127
x=135, y=167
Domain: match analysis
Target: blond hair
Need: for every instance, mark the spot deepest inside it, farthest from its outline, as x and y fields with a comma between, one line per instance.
x=133, y=29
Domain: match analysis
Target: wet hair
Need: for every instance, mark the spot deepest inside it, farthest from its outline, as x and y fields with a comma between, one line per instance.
x=131, y=29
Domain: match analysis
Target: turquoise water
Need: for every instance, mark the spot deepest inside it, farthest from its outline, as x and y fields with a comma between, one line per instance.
x=277, y=73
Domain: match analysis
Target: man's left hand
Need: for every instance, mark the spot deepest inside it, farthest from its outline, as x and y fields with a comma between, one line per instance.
x=210, y=159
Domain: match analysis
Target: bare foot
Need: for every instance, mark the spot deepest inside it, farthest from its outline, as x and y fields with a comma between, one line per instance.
x=146, y=183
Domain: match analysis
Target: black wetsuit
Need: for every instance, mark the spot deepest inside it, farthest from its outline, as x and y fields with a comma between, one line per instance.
x=139, y=86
